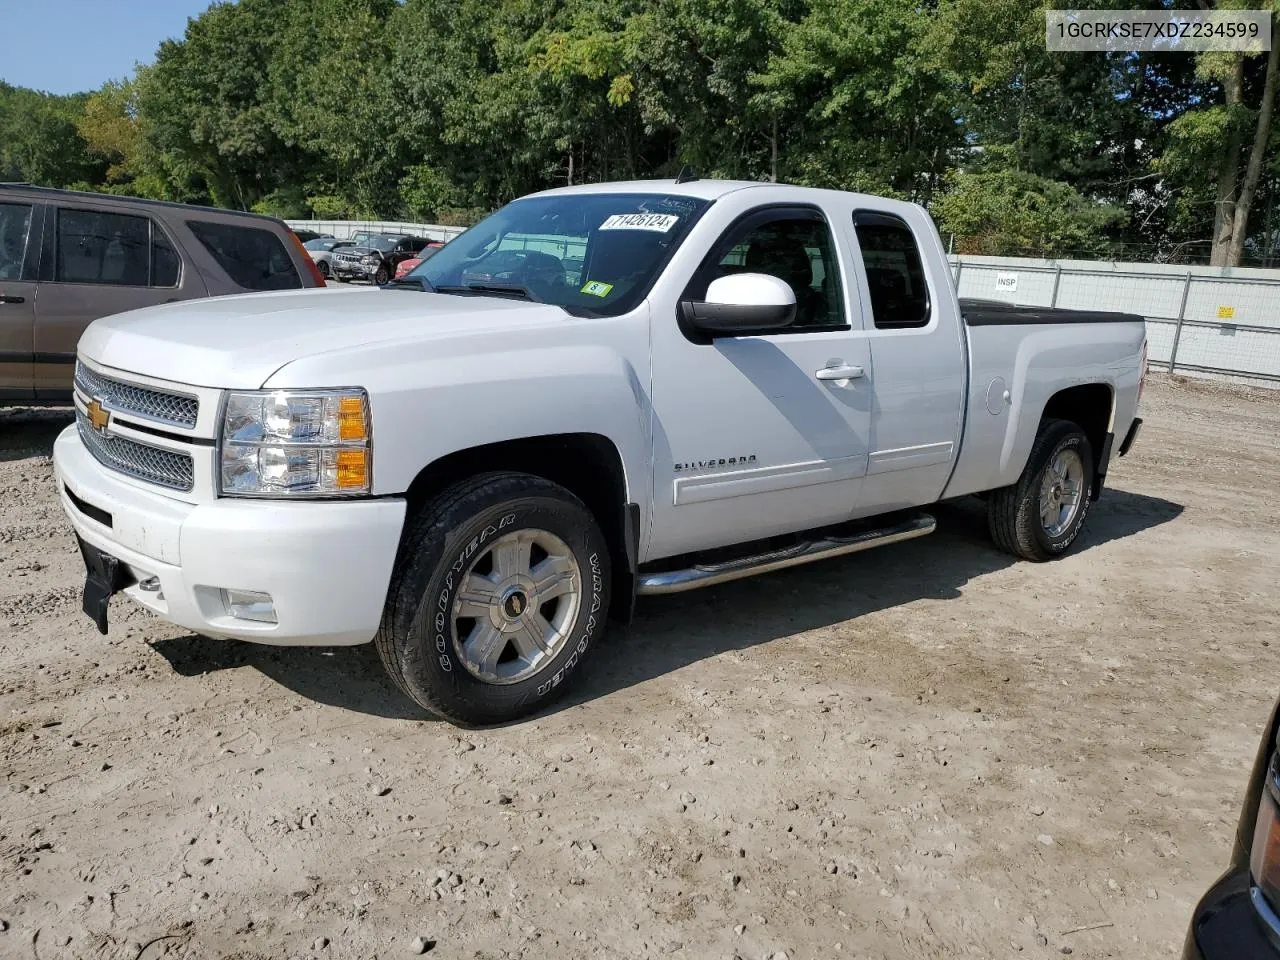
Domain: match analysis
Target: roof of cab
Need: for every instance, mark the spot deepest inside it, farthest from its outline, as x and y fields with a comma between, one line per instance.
x=702, y=189
x=714, y=189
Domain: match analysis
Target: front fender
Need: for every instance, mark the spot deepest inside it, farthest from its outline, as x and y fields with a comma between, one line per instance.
x=433, y=398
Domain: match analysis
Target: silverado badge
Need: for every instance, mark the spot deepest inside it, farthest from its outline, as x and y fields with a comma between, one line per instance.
x=97, y=416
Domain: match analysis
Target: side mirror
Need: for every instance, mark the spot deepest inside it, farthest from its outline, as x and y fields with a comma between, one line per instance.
x=742, y=304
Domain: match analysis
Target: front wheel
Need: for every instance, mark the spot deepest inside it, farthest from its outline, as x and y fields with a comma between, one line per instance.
x=381, y=277
x=1041, y=515
x=500, y=590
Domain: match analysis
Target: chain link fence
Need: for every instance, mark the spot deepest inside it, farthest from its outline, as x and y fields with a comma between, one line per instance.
x=1210, y=321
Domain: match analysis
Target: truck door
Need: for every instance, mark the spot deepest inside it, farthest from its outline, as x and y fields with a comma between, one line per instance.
x=749, y=440
x=918, y=356
x=20, y=225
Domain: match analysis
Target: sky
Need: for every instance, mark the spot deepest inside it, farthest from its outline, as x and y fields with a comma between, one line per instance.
x=68, y=46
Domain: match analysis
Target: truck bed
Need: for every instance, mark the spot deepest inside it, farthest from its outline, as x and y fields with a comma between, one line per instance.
x=993, y=313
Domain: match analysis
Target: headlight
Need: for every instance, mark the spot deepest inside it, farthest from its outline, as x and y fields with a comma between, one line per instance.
x=372, y=259
x=295, y=443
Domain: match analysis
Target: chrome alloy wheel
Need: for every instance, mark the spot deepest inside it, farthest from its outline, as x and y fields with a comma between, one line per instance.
x=515, y=606
x=1062, y=493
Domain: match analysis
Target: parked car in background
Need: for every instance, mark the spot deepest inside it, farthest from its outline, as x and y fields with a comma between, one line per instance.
x=1239, y=918
x=423, y=255
x=68, y=258
x=321, y=250
x=307, y=236
x=375, y=259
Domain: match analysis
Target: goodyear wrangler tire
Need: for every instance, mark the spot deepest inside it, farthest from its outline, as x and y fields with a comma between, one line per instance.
x=500, y=590
x=1040, y=516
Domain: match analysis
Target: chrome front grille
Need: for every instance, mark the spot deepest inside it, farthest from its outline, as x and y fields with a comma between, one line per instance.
x=165, y=468
x=159, y=405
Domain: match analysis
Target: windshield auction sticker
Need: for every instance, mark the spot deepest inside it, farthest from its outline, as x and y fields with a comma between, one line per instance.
x=657, y=222
x=1172, y=31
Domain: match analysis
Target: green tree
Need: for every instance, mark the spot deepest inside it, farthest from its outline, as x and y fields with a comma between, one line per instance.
x=111, y=128
x=207, y=109
x=331, y=99
x=1229, y=135
x=39, y=142
x=1012, y=213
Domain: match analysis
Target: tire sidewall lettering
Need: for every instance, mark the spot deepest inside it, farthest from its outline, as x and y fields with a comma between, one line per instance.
x=589, y=626
x=444, y=601
x=1076, y=443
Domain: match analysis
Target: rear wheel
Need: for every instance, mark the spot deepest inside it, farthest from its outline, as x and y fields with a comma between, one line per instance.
x=1041, y=515
x=500, y=590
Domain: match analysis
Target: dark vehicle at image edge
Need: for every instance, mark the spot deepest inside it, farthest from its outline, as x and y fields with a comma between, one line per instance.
x=1239, y=918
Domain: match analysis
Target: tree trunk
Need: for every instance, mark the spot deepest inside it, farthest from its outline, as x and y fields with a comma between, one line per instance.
x=1224, y=215
x=1240, y=227
x=571, y=164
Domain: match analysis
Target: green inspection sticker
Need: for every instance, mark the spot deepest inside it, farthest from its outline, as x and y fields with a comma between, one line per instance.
x=596, y=288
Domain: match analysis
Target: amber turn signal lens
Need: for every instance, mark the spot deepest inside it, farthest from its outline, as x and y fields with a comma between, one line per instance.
x=353, y=469
x=351, y=419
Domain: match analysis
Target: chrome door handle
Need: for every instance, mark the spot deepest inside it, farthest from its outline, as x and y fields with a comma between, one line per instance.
x=842, y=372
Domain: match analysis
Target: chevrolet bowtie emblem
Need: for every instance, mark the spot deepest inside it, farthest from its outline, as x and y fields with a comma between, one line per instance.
x=97, y=416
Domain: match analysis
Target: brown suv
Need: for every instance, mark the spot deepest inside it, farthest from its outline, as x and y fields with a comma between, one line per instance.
x=67, y=258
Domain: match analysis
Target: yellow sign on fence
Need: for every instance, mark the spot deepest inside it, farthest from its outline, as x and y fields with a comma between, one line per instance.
x=1226, y=313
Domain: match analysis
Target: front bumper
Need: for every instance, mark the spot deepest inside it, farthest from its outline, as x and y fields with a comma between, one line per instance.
x=354, y=271
x=1227, y=926
x=326, y=565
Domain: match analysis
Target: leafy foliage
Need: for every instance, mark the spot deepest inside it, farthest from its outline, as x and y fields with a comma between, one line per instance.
x=1012, y=213
x=443, y=109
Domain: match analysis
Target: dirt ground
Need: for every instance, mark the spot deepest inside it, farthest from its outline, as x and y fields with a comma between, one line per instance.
x=925, y=751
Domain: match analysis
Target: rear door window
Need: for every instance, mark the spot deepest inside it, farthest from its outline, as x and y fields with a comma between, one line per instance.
x=165, y=262
x=895, y=273
x=112, y=248
x=252, y=257
x=15, y=230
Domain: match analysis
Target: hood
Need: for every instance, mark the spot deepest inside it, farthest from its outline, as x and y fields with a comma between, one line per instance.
x=240, y=341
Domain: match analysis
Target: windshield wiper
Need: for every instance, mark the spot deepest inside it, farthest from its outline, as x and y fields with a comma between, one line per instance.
x=418, y=283
x=517, y=290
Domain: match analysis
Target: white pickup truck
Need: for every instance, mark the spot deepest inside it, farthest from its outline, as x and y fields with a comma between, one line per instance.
x=598, y=392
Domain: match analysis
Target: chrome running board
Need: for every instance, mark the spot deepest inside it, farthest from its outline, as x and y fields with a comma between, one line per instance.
x=708, y=574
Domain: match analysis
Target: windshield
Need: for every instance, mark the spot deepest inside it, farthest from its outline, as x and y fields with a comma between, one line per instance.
x=385, y=244
x=594, y=254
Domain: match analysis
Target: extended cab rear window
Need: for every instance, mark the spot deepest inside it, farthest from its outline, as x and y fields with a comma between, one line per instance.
x=252, y=257
x=895, y=273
